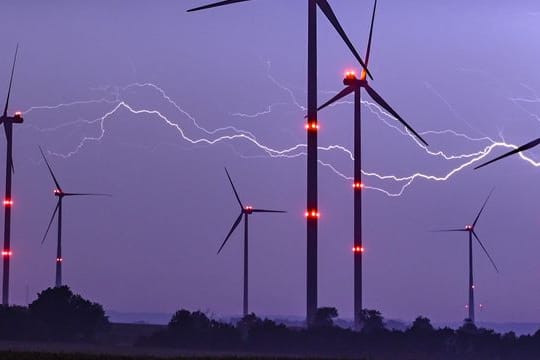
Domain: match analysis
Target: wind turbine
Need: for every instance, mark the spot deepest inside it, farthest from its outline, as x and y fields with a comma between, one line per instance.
x=60, y=194
x=470, y=229
x=312, y=127
x=245, y=211
x=525, y=147
x=8, y=122
x=355, y=85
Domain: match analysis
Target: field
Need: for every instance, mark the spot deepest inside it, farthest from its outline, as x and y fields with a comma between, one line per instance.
x=66, y=356
x=67, y=351
x=16, y=355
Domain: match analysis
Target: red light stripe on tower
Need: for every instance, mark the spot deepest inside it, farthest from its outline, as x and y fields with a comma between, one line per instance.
x=312, y=126
x=358, y=185
x=312, y=214
x=358, y=249
x=6, y=253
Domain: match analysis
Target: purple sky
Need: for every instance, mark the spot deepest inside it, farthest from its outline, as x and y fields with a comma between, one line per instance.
x=469, y=67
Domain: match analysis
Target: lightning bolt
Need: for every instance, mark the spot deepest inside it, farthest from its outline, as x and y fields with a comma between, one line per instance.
x=233, y=134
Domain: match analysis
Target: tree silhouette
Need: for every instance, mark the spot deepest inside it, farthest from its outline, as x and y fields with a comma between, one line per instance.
x=62, y=315
x=324, y=317
x=196, y=330
x=372, y=321
x=421, y=325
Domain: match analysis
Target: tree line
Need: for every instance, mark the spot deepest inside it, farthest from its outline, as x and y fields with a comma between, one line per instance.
x=60, y=315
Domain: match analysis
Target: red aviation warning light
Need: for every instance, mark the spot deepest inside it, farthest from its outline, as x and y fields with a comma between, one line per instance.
x=358, y=249
x=312, y=214
x=59, y=259
x=312, y=126
x=8, y=202
x=248, y=209
x=6, y=253
x=358, y=185
x=350, y=75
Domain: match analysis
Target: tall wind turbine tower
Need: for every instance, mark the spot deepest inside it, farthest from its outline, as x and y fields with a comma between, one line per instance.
x=312, y=127
x=355, y=85
x=8, y=122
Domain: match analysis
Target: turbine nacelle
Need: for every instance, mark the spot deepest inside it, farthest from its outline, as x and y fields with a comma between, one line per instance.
x=248, y=210
x=15, y=119
x=18, y=118
x=58, y=192
x=469, y=227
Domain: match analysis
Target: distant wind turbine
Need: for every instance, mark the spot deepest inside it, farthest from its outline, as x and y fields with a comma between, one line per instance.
x=312, y=127
x=355, y=85
x=470, y=229
x=245, y=211
x=60, y=194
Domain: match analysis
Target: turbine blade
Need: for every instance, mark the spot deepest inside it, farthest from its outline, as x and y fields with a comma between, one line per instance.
x=235, y=225
x=482, y=209
x=268, y=211
x=11, y=80
x=86, y=194
x=213, y=5
x=339, y=96
x=50, y=222
x=50, y=169
x=485, y=250
x=527, y=146
x=234, y=189
x=448, y=230
x=388, y=108
x=331, y=16
x=368, y=50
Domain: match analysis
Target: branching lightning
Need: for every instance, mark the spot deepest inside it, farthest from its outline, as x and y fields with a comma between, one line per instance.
x=233, y=134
